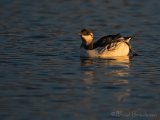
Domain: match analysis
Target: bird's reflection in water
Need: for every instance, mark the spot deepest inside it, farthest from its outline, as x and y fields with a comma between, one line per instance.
x=85, y=61
x=114, y=61
x=88, y=70
x=89, y=77
x=118, y=61
x=113, y=72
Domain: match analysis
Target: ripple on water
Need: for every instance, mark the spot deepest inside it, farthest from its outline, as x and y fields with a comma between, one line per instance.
x=43, y=77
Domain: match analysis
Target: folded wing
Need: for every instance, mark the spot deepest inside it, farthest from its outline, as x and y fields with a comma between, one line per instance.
x=107, y=40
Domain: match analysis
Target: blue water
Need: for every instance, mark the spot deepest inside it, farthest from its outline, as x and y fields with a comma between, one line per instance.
x=42, y=76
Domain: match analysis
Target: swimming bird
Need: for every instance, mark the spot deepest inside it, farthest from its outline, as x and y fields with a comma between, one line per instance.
x=107, y=46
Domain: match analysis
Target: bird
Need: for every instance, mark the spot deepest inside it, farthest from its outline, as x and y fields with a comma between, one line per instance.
x=105, y=47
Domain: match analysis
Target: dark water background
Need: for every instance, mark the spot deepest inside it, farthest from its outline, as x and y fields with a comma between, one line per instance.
x=42, y=76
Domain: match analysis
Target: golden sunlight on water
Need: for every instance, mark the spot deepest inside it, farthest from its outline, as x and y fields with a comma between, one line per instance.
x=90, y=74
x=123, y=61
x=89, y=77
x=114, y=77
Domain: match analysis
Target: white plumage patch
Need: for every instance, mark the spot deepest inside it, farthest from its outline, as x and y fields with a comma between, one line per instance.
x=118, y=49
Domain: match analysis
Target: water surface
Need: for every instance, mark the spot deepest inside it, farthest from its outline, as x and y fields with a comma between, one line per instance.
x=42, y=76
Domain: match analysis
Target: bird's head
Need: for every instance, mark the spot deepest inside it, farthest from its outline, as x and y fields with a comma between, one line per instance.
x=87, y=36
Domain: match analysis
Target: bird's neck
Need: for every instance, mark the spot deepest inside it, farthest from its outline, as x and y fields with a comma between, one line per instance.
x=87, y=46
